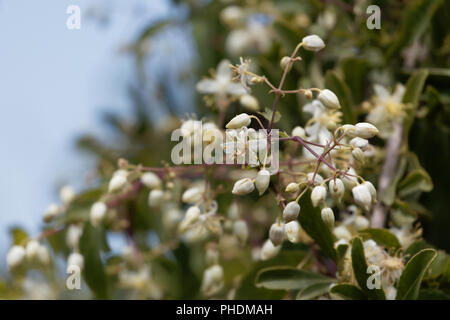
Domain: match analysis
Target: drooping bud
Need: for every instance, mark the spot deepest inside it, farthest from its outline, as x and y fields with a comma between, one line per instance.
x=239, y=121
x=118, y=181
x=276, y=233
x=313, y=43
x=243, y=186
x=32, y=250
x=358, y=155
x=269, y=251
x=318, y=195
x=329, y=99
x=75, y=259
x=262, y=181
x=98, y=212
x=240, y=230
x=150, y=180
x=365, y=130
x=299, y=132
x=317, y=178
x=212, y=279
x=155, y=197
x=67, y=194
x=51, y=212
x=292, y=187
x=291, y=211
x=362, y=196
x=191, y=216
x=359, y=143
x=342, y=232
x=361, y=223
x=328, y=217
x=292, y=230
x=337, y=188
x=15, y=256
x=285, y=61
x=233, y=211
x=73, y=236
x=192, y=195
x=250, y=102
x=372, y=190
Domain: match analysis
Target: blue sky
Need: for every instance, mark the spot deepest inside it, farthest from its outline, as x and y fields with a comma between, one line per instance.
x=54, y=83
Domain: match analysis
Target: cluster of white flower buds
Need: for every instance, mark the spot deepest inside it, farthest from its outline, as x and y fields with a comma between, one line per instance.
x=32, y=253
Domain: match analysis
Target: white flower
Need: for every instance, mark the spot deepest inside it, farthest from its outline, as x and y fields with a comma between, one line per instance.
x=361, y=223
x=391, y=293
x=73, y=236
x=193, y=195
x=239, y=121
x=98, y=212
x=240, y=229
x=313, y=43
x=243, y=186
x=155, y=197
x=327, y=217
x=118, y=181
x=322, y=119
x=250, y=102
x=292, y=230
x=362, y=196
x=150, y=180
x=232, y=15
x=51, y=212
x=67, y=194
x=365, y=130
x=222, y=84
x=75, y=259
x=262, y=181
x=291, y=211
x=337, y=188
x=342, y=232
x=269, y=251
x=388, y=108
x=318, y=195
x=276, y=233
x=15, y=256
x=255, y=38
x=329, y=99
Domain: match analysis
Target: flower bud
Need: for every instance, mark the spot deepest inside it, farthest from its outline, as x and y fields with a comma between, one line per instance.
x=308, y=94
x=191, y=216
x=232, y=15
x=233, y=211
x=342, y=232
x=361, y=223
x=358, y=155
x=212, y=279
x=243, y=186
x=284, y=62
x=73, y=236
x=239, y=121
x=192, y=195
x=75, y=259
x=269, y=251
x=292, y=187
x=317, y=179
x=292, y=230
x=262, y=181
x=276, y=233
x=150, y=180
x=291, y=211
x=337, y=188
x=349, y=130
x=32, y=250
x=171, y=217
x=15, y=256
x=299, y=132
x=329, y=99
x=51, y=212
x=240, y=230
x=155, y=198
x=98, y=212
x=372, y=190
x=359, y=143
x=43, y=255
x=67, y=194
x=318, y=195
x=313, y=43
x=118, y=181
x=365, y=130
x=250, y=102
x=328, y=217
x=362, y=196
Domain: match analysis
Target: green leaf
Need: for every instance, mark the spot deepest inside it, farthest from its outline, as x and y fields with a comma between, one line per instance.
x=411, y=278
x=355, y=73
x=94, y=273
x=340, y=88
x=19, y=235
x=359, y=264
x=382, y=237
x=314, y=226
x=248, y=290
x=418, y=180
x=313, y=291
x=433, y=294
x=288, y=37
x=348, y=292
x=414, y=87
x=417, y=19
x=288, y=278
x=267, y=114
x=390, y=194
